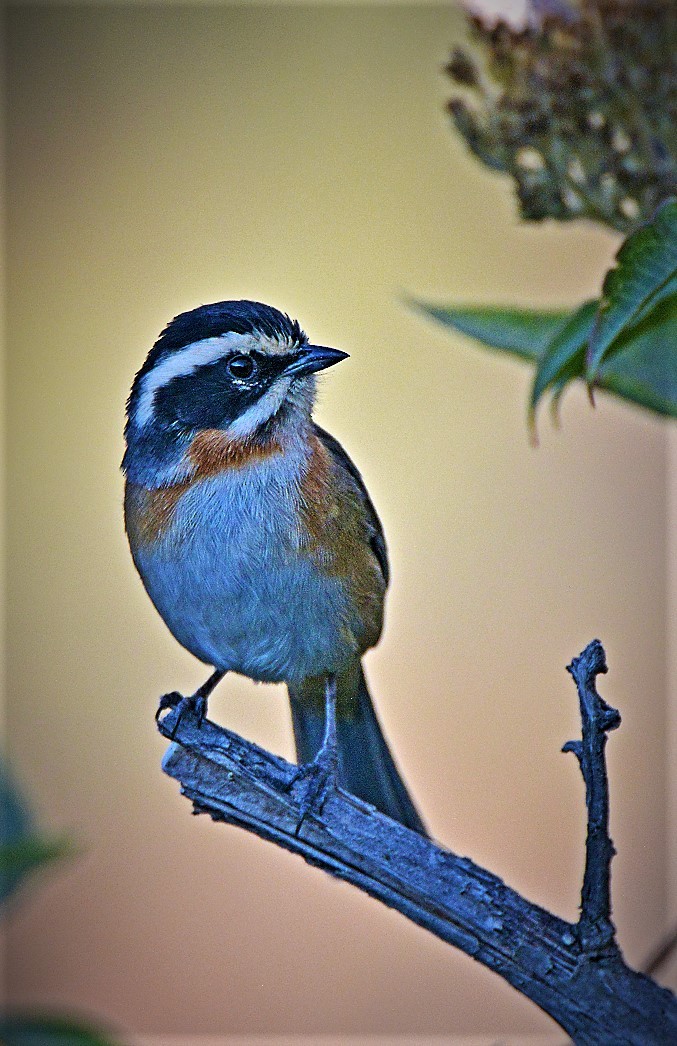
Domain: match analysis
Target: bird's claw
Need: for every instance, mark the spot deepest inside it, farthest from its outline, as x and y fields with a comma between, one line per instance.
x=174, y=701
x=318, y=780
x=168, y=701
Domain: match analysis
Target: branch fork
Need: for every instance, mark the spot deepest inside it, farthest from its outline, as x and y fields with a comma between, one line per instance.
x=574, y=972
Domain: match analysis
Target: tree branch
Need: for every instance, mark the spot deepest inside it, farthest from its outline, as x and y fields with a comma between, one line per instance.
x=564, y=968
x=595, y=929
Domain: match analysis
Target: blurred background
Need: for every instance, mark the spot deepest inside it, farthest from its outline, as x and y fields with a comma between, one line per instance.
x=162, y=157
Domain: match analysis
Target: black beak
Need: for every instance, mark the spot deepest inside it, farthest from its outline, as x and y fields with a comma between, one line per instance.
x=312, y=358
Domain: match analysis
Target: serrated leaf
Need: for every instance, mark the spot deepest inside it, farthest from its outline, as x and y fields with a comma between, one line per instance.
x=640, y=366
x=49, y=1031
x=523, y=332
x=668, y=290
x=564, y=358
x=645, y=264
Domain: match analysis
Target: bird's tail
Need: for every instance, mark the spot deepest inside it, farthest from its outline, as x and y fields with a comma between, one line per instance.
x=366, y=767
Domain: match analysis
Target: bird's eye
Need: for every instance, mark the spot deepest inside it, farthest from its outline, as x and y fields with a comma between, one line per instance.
x=241, y=366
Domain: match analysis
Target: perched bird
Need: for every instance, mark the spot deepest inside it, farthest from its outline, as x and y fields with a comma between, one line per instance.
x=255, y=536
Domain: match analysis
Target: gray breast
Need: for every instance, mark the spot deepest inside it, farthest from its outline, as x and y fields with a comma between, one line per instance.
x=232, y=582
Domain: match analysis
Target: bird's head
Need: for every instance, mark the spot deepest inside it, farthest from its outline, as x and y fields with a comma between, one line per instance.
x=237, y=366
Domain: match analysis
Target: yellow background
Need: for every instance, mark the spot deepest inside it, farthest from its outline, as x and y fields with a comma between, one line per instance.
x=161, y=158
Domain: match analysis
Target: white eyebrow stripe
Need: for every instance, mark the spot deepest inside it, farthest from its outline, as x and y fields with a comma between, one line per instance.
x=184, y=362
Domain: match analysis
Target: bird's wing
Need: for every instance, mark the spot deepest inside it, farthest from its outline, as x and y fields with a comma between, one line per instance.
x=376, y=536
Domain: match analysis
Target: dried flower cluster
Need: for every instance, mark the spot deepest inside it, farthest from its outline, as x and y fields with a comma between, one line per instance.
x=580, y=107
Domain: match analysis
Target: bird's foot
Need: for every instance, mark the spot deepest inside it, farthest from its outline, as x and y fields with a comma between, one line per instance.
x=318, y=780
x=195, y=704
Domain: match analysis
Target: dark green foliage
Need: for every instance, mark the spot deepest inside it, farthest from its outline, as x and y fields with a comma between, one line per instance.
x=579, y=107
x=523, y=332
x=22, y=848
x=625, y=342
x=564, y=356
x=49, y=1031
x=644, y=276
x=643, y=366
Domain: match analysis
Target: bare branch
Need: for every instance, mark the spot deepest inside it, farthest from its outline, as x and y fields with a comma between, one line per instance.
x=594, y=996
x=595, y=929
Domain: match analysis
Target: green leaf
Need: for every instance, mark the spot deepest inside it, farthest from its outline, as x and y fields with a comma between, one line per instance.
x=24, y=856
x=22, y=847
x=523, y=332
x=49, y=1031
x=668, y=290
x=15, y=817
x=643, y=366
x=646, y=265
x=564, y=358
x=640, y=364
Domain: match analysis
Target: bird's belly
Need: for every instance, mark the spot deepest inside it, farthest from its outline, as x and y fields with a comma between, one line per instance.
x=232, y=582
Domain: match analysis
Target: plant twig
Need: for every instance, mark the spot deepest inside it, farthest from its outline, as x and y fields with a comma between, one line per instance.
x=595, y=929
x=593, y=995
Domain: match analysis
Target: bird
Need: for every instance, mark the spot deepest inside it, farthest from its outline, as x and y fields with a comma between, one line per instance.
x=256, y=539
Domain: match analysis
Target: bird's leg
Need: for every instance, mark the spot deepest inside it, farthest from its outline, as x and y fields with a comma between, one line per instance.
x=196, y=702
x=322, y=773
x=328, y=753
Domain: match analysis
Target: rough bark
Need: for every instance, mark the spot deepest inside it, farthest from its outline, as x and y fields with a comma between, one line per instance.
x=574, y=972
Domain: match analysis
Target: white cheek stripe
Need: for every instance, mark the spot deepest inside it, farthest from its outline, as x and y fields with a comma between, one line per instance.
x=261, y=411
